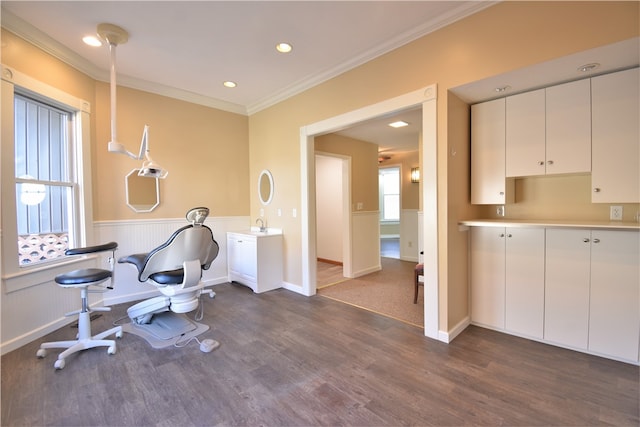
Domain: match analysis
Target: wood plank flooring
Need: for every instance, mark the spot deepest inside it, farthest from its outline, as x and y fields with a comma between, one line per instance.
x=289, y=360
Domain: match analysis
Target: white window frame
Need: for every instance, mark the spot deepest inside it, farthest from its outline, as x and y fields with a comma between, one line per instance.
x=381, y=194
x=14, y=276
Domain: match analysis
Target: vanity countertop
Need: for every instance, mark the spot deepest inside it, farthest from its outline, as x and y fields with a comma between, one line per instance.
x=255, y=231
x=603, y=225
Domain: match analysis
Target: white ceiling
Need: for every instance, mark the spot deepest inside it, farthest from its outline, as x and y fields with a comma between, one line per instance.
x=189, y=48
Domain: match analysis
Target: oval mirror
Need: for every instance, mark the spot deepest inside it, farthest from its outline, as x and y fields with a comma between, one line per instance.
x=143, y=193
x=265, y=187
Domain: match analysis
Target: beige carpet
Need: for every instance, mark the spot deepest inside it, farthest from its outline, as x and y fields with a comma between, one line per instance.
x=388, y=292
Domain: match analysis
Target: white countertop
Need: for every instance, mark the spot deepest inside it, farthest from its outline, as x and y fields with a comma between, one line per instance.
x=604, y=225
x=255, y=231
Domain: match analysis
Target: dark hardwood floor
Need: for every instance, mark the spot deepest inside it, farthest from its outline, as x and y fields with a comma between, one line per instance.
x=289, y=360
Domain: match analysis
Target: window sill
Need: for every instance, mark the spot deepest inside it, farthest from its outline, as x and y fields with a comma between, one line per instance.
x=44, y=274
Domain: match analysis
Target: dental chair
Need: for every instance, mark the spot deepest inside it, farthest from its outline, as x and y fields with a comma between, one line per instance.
x=88, y=280
x=175, y=269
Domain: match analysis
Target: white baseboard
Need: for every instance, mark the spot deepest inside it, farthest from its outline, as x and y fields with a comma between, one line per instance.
x=455, y=331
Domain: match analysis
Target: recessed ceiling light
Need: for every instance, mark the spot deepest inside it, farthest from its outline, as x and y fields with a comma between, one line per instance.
x=229, y=83
x=502, y=88
x=588, y=67
x=284, y=47
x=398, y=124
x=92, y=41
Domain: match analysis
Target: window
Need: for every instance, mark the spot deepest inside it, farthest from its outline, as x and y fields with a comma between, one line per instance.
x=389, y=187
x=43, y=180
x=45, y=185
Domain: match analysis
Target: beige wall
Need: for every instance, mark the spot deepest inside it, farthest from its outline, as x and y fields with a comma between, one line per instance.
x=410, y=191
x=364, y=167
x=204, y=149
x=507, y=36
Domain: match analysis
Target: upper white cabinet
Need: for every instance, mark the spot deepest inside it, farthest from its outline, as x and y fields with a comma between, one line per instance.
x=488, y=183
x=549, y=131
x=525, y=151
x=615, y=172
x=568, y=128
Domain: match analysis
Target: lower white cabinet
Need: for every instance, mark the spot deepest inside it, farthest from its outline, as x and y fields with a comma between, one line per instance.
x=614, y=308
x=576, y=288
x=507, y=287
x=255, y=260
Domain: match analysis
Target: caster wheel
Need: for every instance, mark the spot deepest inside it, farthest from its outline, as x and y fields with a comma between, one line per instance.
x=59, y=364
x=119, y=334
x=41, y=353
x=111, y=349
x=212, y=295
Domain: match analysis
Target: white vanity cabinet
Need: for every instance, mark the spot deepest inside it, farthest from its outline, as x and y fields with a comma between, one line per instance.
x=488, y=183
x=254, y=259
x=507, y=279
x=548, y=131
x=615, y=172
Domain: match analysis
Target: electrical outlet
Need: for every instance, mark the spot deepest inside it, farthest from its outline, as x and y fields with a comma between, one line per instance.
x=500, y=211
x=615, y=213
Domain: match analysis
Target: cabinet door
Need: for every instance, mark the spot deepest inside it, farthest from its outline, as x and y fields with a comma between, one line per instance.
x=614, y=325
x=525, y=134
x=241, y=256
x=615, y=172
x=568, y=128
x=487, y=276
x=566, y=314
x=524, y=277
x=488, y=184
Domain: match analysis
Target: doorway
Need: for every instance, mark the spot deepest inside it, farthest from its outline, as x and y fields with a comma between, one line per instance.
x=426, y=97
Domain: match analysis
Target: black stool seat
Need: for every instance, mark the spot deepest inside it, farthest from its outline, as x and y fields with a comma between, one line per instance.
x=82, y=276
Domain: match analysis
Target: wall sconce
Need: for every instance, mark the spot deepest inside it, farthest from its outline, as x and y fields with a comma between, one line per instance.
x=415, y=174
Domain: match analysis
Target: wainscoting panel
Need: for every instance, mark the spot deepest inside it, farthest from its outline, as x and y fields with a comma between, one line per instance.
x=365, y=242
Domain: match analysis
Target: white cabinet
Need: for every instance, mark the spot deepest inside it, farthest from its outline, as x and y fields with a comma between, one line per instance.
x=549, y=130
x=524, y=272
x=592, y=291
x=525, y=152
x=507, y=279
x=614, y=315
x=488, y=183
x=615, y=176
x=568, y=128
x=255, y=260
x=567, y=287
x=487, y=276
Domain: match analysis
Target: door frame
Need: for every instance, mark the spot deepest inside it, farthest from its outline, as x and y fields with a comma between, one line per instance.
x=425, y=97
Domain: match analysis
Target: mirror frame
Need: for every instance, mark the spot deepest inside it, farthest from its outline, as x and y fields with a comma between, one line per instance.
x=134, y=173
x=265, y=174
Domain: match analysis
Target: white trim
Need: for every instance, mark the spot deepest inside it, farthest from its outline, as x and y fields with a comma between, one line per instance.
x=425, y=97
x=455, y=331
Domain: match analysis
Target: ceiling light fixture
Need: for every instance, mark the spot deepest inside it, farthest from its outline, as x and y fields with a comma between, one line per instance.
x=92, y=41
x=229, y=83
x=588, y=67
x=398, y=124
x=115, y=35
x=284, y=47
x=501, y=89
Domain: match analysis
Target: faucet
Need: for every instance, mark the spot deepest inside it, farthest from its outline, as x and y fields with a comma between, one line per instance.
x=262, y=227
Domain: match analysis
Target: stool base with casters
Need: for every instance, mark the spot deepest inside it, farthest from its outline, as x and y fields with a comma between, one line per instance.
x=83, y=279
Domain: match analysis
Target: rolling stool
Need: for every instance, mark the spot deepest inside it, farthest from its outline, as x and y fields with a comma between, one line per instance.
x=82, y=279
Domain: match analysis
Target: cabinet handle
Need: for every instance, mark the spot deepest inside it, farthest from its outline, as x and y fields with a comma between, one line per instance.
x=501, y=234
x=540, y=163
x=550, y=162
x=586, y=240
x=509, y=235
x=596, y=190
x=596, y=240
x=501, y=193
